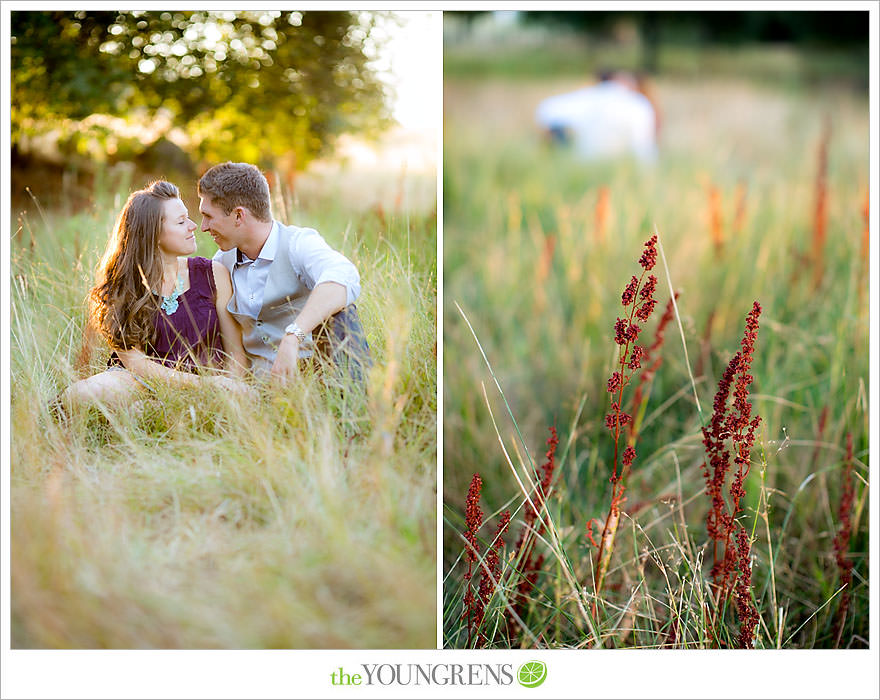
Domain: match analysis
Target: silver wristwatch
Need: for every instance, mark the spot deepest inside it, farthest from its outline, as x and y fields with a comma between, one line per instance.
x=297, y=331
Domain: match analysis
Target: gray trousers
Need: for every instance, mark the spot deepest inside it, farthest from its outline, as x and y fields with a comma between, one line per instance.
x=341, y=340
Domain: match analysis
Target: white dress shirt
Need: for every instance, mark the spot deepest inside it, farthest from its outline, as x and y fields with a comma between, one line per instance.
x=607, y=120
x=312, y=259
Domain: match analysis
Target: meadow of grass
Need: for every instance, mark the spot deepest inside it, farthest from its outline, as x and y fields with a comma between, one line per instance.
x=296, y=518
x=537, y=250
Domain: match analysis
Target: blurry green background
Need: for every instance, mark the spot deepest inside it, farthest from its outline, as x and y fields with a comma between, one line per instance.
x=538, y=247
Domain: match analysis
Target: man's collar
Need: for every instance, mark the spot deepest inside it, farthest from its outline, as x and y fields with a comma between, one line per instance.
x=267, y=252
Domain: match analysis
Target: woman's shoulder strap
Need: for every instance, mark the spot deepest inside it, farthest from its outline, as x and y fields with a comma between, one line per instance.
x=201, y=273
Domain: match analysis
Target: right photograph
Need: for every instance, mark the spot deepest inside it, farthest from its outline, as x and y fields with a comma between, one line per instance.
x=656, y=316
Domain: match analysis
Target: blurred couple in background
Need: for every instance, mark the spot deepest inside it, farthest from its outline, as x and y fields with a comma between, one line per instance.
x=616, y=117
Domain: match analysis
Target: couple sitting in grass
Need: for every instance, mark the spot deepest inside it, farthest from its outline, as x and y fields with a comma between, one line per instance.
x=274, y=299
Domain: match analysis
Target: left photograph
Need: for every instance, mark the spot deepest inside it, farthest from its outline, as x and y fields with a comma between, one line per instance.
x=223, y=347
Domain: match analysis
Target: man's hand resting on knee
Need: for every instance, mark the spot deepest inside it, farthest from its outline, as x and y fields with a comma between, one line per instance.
x=286, y=362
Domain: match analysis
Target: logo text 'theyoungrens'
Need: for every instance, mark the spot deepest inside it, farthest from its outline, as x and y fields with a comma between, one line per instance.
x=425, y=674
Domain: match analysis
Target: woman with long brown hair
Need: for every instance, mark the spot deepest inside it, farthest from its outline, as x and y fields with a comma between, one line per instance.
x=163, y=314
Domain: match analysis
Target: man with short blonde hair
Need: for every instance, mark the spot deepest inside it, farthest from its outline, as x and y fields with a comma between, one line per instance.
x=231, y=185
x=293, y=295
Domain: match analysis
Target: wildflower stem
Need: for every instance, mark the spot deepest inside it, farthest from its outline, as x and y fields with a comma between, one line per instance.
x=687, y=361
x=815, y=612
x=497, y=384
x=640, y=301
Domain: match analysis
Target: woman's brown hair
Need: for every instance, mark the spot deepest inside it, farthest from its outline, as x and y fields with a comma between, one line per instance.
x=122, y=302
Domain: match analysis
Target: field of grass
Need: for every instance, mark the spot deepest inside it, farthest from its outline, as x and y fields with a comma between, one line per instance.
x=538, y=249
x=290, y=519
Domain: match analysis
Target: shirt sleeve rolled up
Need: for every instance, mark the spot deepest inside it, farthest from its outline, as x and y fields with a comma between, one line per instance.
x=315, y=262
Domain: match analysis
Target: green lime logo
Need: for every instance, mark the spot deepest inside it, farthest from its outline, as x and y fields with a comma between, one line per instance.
x=532, y=673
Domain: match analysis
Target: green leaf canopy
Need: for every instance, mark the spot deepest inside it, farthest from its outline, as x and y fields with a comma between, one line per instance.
x=255, y=86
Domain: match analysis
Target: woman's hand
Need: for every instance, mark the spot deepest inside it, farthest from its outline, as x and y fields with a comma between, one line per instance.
x=235, y=386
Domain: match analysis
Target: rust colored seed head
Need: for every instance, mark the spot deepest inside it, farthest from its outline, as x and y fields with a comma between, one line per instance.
x=614, y=382
x=473, y=516
x=842, y=539
x=620, y=331
x=635, y=359
x=547, y=470
x=649, y=288
x=667, y=316
x=530, y=564
x=751, y=333
x=492, y=566
x=645, y=310
x=632, y=332
x=733, y=426
x=549, y=465
x=468, y=601
x=613, y=419
x=745, y=609
x=629, y=454
x=649, y=257
x=630, y=292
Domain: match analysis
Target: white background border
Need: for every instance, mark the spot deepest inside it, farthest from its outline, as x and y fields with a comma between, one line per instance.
x=571, y=674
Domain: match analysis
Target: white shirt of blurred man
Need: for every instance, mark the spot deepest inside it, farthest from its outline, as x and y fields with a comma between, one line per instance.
x=608, y=120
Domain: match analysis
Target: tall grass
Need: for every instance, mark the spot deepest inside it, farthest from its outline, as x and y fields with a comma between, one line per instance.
x=298, y=518
x=520, y=357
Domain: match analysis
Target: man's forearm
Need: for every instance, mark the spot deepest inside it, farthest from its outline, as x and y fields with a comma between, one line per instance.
x=324, y=301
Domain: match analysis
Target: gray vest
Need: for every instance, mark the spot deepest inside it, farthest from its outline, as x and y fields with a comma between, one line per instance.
x=283, y=299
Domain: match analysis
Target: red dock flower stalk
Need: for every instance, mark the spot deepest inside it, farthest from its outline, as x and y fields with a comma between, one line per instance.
x=740, y=216
x=728, y=439
x=529, y=564
x=475, y=605
x=473, y=516
x=820, y=211
x=638, y=300
x=649, y=257
x=490, y=575
x=841, y=540
x=603, y=207
x=745, y=609
x=716, y=227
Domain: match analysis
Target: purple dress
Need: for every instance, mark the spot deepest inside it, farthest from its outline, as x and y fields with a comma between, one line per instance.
x=190, y=337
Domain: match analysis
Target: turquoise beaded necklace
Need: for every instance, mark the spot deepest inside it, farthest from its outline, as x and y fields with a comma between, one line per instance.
x=169, y=304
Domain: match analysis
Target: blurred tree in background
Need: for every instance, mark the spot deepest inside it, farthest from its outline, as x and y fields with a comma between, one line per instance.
x=723, y=26
x=256, y=86
x=808, y=31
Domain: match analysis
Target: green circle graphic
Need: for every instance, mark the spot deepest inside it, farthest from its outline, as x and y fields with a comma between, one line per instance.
x=532, y=673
